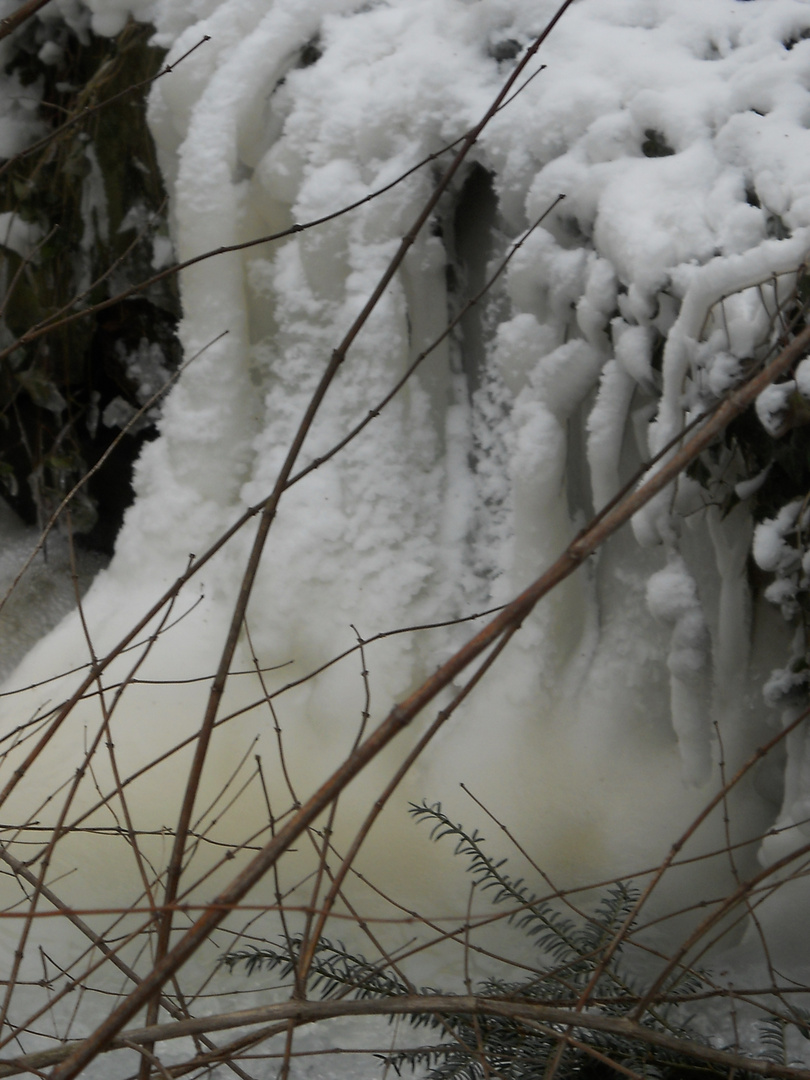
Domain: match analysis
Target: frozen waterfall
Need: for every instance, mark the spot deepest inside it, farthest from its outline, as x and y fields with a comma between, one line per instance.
x=677, y=130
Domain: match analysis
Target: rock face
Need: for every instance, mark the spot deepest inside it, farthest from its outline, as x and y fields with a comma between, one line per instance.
x=82, y=218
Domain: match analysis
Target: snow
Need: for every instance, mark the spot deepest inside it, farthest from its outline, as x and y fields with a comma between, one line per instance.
x=803, y=377
x=671, y=593
x=772, y=406
x=746, y=488
x=673, y=599
x=18, y=235
x=677, y=130
x=771, y=550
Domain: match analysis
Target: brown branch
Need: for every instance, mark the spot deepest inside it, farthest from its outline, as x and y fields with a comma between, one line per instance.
x=21, y=15
x=307, y=1012
x=373, y=413
x=86, y=112
x=59, y=319
x=401, y=715
x=271, y=506
x=151, y=401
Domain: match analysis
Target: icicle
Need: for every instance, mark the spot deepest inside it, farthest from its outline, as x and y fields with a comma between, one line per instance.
x=672, y=597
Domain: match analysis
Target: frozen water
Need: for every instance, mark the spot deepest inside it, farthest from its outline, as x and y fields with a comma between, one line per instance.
x=678, y=133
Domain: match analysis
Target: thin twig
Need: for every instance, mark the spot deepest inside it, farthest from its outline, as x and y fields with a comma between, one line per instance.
x=304, y=1012
x=11, y=22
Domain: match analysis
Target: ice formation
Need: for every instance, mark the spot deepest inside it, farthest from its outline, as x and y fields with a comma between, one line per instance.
x=677, y=131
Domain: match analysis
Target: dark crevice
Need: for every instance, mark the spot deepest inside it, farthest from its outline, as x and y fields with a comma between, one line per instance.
x=473, y=225
x=655, y=145
x=794, y=39
x=310, y=54
x=508, y=49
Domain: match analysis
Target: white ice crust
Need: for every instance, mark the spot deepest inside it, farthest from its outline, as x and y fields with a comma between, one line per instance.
x=677, y=131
